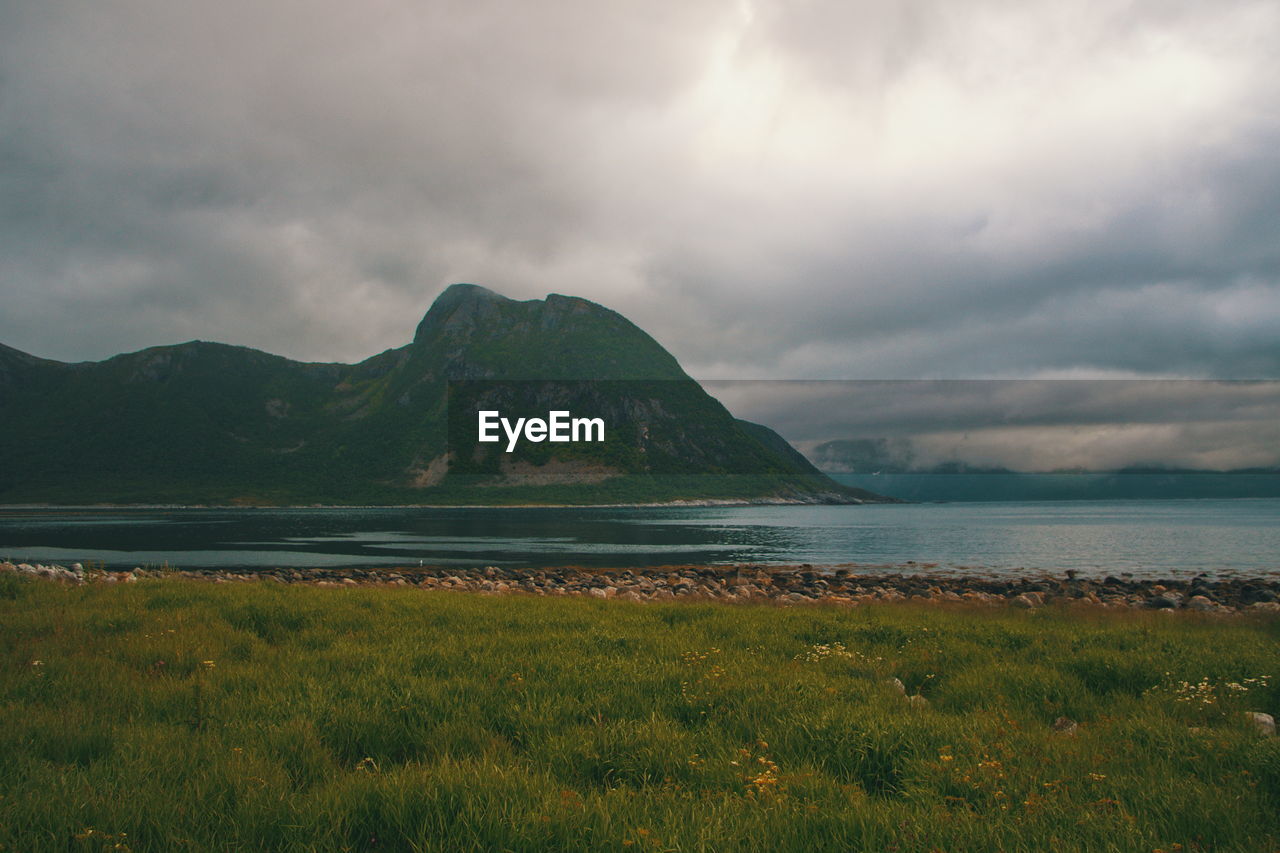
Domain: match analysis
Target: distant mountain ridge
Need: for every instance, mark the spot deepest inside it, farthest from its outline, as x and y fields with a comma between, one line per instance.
x=873, y=456
x=204, y=422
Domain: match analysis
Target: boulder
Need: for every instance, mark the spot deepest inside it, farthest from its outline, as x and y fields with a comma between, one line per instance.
x=1264, y=723
x=1065, y=726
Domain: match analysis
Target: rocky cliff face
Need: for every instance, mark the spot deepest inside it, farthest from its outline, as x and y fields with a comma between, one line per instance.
x=209, y=423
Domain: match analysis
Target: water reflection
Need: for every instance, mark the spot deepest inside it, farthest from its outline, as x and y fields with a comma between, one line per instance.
x=1098, y=537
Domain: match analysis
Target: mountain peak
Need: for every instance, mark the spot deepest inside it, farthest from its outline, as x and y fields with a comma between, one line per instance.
x=463, y=290
x=476, y=333
x=459, y=303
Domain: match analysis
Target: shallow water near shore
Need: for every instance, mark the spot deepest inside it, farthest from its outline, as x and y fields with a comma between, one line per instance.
x=1095, y=538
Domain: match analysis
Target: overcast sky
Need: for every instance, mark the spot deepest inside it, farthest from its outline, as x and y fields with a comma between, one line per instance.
x=801, y=189
x=1026, y=425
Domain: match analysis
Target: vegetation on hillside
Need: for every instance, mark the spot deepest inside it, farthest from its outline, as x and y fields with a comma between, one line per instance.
x=210, y=423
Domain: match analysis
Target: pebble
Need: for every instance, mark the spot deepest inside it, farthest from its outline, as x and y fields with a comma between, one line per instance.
x=785, y=585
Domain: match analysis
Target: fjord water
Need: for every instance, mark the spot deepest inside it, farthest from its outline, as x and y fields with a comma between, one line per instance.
x=1144, y=537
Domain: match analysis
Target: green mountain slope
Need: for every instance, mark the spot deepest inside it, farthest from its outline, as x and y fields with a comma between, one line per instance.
x=210, y=423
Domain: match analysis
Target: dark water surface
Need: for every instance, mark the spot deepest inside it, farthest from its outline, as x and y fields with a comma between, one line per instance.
x=1156, y=537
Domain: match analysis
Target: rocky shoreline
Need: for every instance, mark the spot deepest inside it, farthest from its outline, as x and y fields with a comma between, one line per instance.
x=787, y=585
x=828, y=498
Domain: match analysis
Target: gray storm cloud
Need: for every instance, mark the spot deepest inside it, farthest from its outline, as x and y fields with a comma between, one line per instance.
x=1024, y=425
x=822, y=189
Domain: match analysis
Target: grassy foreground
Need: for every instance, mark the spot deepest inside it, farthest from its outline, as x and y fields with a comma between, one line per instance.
x=176, y=715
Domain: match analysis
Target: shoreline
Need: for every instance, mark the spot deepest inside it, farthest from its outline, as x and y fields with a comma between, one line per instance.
x=690, y=502
x=779, y=585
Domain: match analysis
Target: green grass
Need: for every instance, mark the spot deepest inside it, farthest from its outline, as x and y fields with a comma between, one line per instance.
x=174, y=715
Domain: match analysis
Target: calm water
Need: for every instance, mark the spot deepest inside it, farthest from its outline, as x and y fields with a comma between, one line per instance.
x=1094, y=537
x=1112, y=486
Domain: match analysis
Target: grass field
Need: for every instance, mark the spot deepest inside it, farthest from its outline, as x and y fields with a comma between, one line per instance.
x=177, y=715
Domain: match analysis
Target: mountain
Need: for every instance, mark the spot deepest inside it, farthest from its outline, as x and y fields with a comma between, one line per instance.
x=864, y=456
x=210, y=423
x=875, y=456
